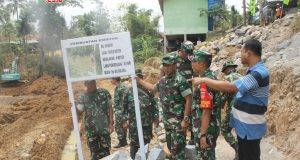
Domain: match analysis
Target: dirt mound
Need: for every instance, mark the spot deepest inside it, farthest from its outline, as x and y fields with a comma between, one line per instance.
x=41, y=122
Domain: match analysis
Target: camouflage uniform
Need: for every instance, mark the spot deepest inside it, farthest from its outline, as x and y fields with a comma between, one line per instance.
x=184, y=67
x=96, y=119
x=213, y=130
x=229, y=98
x=118, y=111
x=172, y=90
x=148, y=111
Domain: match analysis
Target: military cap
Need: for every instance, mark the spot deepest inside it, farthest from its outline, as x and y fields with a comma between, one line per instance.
x=228, y=64
x=199, y=55
x=187, y=47
x=139, y=72
x=169, y=58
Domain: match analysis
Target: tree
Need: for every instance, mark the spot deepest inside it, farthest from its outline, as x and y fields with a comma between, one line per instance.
x=219, y=14
x=85, y=23
x=15, y=5
x=93, y=23
x=261, y=14
x=24, y=27
x=235, y=17
x=7, y=26
x=143, y=30
x=51, y=26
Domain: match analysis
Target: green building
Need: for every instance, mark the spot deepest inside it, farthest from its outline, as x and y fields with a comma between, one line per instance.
x=182, y=22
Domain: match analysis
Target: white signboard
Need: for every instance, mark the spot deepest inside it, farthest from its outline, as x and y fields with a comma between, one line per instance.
x=97, y=57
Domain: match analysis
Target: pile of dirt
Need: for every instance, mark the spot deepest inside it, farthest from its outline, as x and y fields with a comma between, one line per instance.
x=43, y=121
x=284, y=105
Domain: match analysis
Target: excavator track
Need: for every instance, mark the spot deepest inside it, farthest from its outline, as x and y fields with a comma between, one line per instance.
x=15, y=83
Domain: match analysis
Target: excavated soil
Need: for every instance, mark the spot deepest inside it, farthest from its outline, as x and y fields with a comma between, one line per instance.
x=35, y=120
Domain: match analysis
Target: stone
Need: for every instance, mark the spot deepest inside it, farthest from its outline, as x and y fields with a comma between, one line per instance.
x=190, y=152
x=247, y=38
x=42, y=139
x=119, y=155
x=256, y=35
x=286, y=23
x=283, y=45
x=240, y=32
x=138, y=154
x=156, y=154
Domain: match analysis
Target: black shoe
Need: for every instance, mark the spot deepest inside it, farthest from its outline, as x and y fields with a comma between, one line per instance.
x=121, y=144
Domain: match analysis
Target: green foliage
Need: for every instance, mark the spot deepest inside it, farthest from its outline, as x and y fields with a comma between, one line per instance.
x=223, y=18
x=235, y=18
x=8, y=30
x=93, y=23
x=146, y=47
x=14, y=6
x=54, y=66
x=143, y=30
x=24, y=26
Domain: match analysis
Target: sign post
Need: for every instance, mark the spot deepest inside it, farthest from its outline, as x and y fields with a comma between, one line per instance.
x=98, y=57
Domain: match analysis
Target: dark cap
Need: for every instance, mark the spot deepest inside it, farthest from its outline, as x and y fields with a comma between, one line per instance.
x=139, y=72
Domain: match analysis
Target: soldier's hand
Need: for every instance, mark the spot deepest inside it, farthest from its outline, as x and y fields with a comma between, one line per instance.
x=156, y=122
x=196, y=81
x=203, y=143
x=111, y=128
x=125, y=125
x=184, y=126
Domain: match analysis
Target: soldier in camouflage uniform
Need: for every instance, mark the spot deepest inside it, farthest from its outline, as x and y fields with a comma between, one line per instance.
x=149, y=115
x=184, y=67
x=175, y=97
x=118, y=111
x=206, y=109
x=231, y=75
x=98, y=119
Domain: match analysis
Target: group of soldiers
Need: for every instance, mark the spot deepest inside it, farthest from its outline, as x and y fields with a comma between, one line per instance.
x=185, y=107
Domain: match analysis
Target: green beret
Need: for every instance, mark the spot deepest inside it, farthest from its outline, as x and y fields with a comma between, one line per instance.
x=228, y=64
x=169, y=58
x=199, y=55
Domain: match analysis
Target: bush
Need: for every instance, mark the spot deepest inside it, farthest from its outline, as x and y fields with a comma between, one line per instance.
x=54, y=65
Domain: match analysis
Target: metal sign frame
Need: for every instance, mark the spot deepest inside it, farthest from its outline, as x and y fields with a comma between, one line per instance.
x=116, y=58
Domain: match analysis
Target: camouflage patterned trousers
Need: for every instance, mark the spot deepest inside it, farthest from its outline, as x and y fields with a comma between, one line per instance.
x=226, y=131
x=176, y=143
x=134, y=138
x=208, y=153
x=99, y=146
x=121, y=132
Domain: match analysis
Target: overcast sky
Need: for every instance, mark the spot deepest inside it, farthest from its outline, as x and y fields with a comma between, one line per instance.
x=112, y=6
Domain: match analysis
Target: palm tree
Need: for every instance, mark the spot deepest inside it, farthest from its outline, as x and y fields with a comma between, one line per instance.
x=15, y=5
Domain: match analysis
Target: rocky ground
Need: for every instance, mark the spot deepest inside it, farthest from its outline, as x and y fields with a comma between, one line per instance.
x=35, y=119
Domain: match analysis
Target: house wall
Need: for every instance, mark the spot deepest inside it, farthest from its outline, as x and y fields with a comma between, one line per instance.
x=183, y=17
